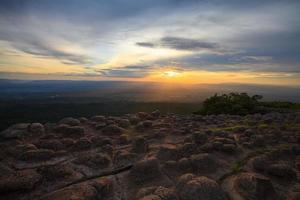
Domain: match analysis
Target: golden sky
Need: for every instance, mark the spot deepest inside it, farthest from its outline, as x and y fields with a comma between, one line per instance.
x=163, y=40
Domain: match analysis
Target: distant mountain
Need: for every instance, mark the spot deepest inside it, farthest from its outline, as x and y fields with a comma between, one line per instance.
x=135, y=91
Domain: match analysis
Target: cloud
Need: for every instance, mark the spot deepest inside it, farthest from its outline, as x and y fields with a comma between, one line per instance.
x=186, y=44
x=179, y=43
x=126, y=72
x=145, y=44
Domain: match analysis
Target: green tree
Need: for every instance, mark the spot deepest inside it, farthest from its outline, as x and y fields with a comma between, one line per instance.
x=232, y=103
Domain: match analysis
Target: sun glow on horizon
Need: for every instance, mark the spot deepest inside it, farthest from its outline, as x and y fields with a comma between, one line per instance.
x=171, y=74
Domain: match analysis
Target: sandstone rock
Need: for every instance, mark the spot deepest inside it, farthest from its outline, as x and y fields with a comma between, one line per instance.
x=134, y=120
x=112, y=130
x=21, y=148
x=50, y=144
x=124, y=123
x=139, y=145
x=282, y=170
x=203, y=162
x=167, y=153
x=208, y=147
x=191, y=187
x=95, y=161
x=145, y=192
x=56, y=172
x=20, y=181
x=145, y=170
x=37, y=155
x=124, y=158
x=37, y=128
x=15, y=131
x=142, y=115
x=254, y=186
x=82, y=144
x=144, y=125
x=155, y=114
x=260, y=163
x=100, y=125
x=199, y=138
x=100, y=141
x=151, y=197
x=159, y=193
x=70, y=121
x=124, y=139
x=229, y=148
x=76, y=192
x=67, y=142
x=70, y=131
x=98, y=118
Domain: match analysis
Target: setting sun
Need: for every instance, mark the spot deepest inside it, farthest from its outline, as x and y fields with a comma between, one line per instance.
x=171, y=73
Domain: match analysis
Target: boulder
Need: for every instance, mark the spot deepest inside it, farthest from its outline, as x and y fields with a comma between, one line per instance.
x=101, y=188
x=139, y=145
x=98, y=118
x=70, y=131
x=191, y=187
x=199, y=138
x=24, y=180
x=37, y=128
x=53, y=144
x=56, y=172
x=167, y=153
x=260, y=163
x=254, y=186
x=95, y=160
x=144, y=171
x=83, y=120
x=155, y=114
x=229, y=148
x=82, y=144
x=282, y=170
x=203, y=163
x=124, y=123
x=37, y=155
x=70, y=121
x=16, y=131
x=113, y=130
x=124, y=158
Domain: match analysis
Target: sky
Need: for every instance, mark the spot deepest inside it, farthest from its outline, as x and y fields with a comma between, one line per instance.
x=187, y=41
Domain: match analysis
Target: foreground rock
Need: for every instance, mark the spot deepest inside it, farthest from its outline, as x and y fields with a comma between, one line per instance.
x=191, y=187
x=151, y=156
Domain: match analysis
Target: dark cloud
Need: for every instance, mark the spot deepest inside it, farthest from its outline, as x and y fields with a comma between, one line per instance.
x=179, y=43
x=49, y=52
x=145, y=44
x=126, y=72
x=186, y=44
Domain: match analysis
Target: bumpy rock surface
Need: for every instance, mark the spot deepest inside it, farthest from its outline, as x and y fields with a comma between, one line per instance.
x=151, y=156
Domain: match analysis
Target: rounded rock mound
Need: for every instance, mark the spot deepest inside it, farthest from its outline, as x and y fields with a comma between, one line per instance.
x=191, y=187
x=254, y=186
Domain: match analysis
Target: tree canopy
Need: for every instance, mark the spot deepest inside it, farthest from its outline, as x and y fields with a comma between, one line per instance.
x=233, y=103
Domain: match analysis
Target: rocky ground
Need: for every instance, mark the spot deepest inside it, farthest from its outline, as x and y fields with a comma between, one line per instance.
x=149, y=156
